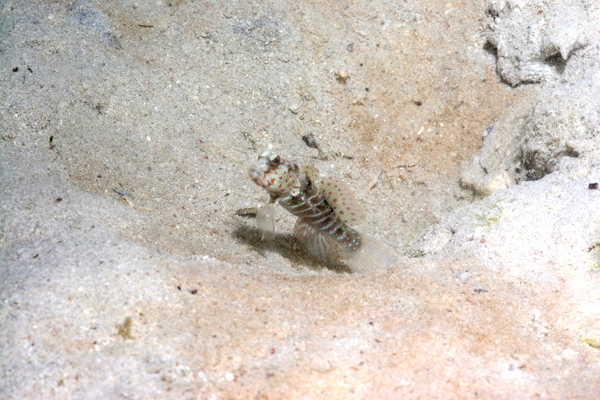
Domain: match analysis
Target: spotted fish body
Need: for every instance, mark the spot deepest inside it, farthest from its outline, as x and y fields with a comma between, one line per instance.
x=325, y=207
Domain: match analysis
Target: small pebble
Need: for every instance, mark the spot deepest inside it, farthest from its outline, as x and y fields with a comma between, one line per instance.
x=342, y=76
x=463, y=276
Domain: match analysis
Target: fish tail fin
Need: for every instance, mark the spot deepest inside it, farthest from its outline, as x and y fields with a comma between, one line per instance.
x=372, y=255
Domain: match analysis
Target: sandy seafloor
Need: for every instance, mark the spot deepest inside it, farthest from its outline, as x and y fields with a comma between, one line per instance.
x=468, y=130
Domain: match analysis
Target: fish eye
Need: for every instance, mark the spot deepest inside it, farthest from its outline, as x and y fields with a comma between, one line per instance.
x=276, y=161
x=308, y=183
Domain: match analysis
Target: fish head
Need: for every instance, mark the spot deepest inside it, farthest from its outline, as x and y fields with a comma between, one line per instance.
x=276, y=175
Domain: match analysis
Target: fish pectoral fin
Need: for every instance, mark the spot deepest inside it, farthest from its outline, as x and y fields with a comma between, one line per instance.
x=265, y=219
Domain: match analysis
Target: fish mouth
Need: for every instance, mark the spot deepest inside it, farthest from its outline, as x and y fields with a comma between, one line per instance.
x=254, y=174
x=258, y=171
x=257, y=176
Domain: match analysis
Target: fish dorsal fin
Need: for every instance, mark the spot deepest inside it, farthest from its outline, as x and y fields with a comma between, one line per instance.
x=342, y=199
x=339, y=196
x=312, y=172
